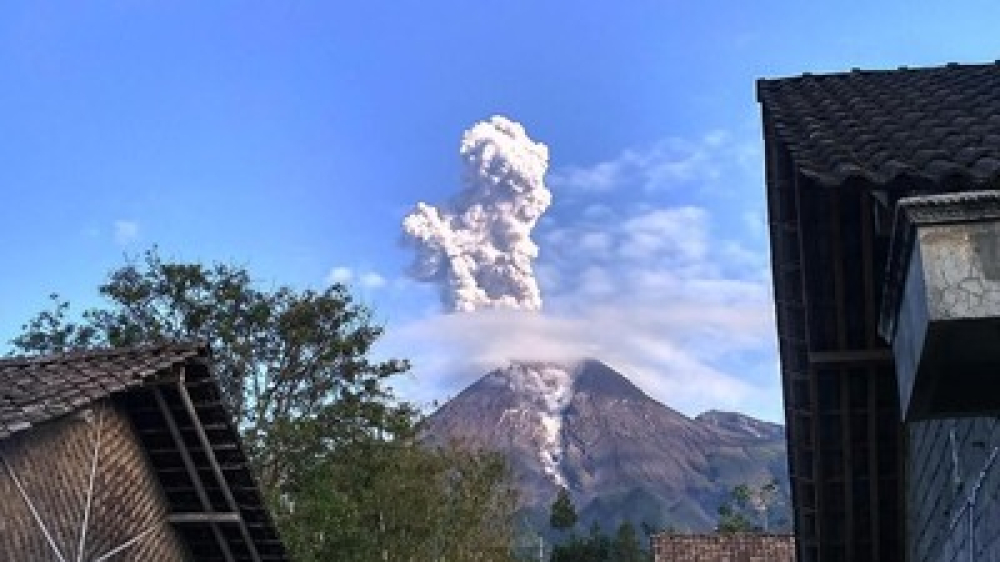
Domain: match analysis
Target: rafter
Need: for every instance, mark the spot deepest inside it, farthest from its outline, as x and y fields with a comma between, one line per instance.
x=192, y=472
x=216, y=469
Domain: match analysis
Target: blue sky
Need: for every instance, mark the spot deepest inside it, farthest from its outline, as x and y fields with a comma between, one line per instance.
x=293, y=137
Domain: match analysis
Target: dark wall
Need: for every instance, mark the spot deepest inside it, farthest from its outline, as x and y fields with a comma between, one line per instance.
x=949, y=462
x=53, y=463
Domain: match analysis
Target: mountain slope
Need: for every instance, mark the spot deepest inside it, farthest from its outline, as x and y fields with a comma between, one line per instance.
x=621, y=454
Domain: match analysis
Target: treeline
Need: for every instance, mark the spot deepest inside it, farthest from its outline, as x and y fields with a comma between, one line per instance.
x=335, y=454
x=391, y=500
x=596, y=546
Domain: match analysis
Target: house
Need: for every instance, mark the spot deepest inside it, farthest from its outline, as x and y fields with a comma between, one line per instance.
x=127, y=454
x=883, y=228
x=729, y=547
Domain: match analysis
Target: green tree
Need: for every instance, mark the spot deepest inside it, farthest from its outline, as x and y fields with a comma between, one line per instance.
x=762, y=498
x=293, y=365
x=625, y=547
x=746, y=504
x=598, y=546
x=562, y=514
x=336, y=456
x=733, y=516
x=389, y=500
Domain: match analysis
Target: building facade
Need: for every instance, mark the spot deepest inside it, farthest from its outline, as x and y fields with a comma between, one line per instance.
x=879, y=191
x=125, y=455
x=58, y=502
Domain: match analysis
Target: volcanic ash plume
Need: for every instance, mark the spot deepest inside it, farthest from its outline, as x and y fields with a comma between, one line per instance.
x=479, y=248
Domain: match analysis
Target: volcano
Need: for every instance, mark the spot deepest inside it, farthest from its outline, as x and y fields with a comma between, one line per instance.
x=621, y=454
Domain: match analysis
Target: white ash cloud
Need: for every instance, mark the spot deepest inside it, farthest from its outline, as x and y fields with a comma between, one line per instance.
x=478, y=248
x=666, y=285
x=662, y=300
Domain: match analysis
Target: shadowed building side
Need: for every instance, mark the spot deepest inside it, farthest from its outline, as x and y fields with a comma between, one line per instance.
x=877, y=183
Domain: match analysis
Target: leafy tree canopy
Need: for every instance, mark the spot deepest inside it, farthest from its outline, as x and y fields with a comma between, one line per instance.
x=293, y=365
x=336, y=456
x=746, y=510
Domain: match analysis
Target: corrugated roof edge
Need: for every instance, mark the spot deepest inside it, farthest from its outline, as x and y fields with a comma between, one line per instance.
x=198, y=347
x=22, y=409
x=763, y=83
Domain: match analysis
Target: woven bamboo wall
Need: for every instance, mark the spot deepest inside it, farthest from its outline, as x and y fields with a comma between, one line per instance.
x=53, y=463
x=728, y=547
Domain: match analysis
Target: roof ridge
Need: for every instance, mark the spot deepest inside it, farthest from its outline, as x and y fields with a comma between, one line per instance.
x=910, y=128
x=888, y=70
x=197, y=346
x=36, y=389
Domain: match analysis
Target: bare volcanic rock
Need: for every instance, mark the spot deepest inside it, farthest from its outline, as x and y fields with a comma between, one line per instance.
x=621, y=454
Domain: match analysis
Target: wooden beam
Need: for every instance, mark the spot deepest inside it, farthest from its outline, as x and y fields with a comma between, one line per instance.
x=206, y=505
x=839, y=276
x=847, y=466
x=850, y=356
x=803, y=224
x=216, y=469
x=840, y=298
x=202, y=517
x=872, y=309
x=874, y=482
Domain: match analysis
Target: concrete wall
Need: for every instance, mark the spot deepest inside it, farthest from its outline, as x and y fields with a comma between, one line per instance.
x=727, y=547
x=49, y=467
x=950, y=463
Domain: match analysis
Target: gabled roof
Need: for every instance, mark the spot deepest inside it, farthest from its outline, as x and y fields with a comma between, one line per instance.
x=178, y=414
x=923, y=125
x=36, y=389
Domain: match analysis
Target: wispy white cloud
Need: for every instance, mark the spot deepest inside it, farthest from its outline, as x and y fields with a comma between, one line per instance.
x=126, y=232
x=674, y=233
x=668, y=163
x=657, y=296
x=372, y=280
x=349, y=275
x=678, y=352
x=340, y=274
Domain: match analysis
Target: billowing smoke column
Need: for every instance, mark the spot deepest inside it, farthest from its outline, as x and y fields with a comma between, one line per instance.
x=479, y=248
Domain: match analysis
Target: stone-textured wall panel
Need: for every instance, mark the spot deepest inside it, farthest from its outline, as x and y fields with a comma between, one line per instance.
x=728, y=547
x=960, y=270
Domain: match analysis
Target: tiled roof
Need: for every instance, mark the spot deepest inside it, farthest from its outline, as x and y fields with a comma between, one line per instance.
x=926, y=124
x=36, y=389
x=192, y=447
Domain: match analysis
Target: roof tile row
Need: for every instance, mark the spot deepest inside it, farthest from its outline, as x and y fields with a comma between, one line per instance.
x=929, y=124
x=36, y=389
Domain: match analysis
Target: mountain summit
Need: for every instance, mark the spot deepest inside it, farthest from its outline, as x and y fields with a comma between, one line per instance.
x=621, y=454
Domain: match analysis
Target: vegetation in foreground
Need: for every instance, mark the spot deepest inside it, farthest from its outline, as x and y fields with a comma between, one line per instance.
x=624, y=546
x=334, y=452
